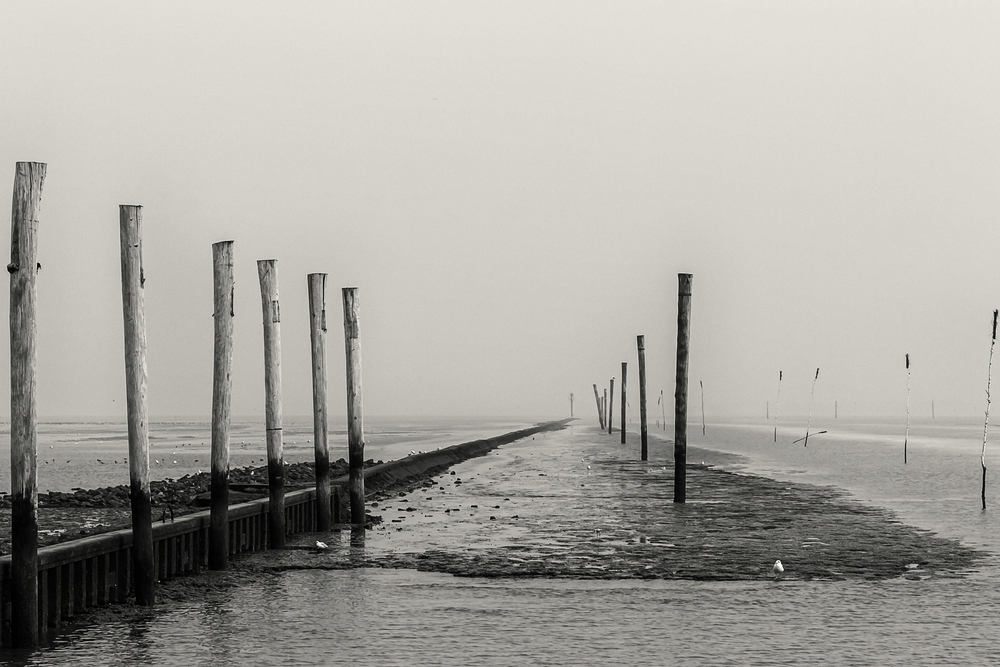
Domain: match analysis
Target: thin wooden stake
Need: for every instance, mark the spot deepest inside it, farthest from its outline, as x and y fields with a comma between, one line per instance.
x=663, y=409
x=681, y=385
x=355, y=421
x=218, y=534
x=267, y=272
x=986, y=424
x=317, y=340
x=600, y=410
x=702, y=406
x=571, y=405
x=611, y=407
x=133, y=305
x=640, y=342
x=809, y=421
x=906, y=434
x=604, y=409
x=624, y=399
x=776, y=402
x=23, y=268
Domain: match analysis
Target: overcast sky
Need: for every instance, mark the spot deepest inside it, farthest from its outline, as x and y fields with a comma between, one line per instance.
x=513, y=187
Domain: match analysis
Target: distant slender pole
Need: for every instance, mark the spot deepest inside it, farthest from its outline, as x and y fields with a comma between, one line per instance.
x=663, y=409
x=986, y=424
x=932, y=409
x=571, y=405
x=267, y=272
x=681, y=385
x=776, y=402
x=767, y=410
x=355, y=422
x=27, y=200
x=604, y=409
x=702, y=406
x=611, y=407
x=835, y=410
x=133, y=305
x=624, y=399
x=640, y=342
x=600, y=410
x=218, y=534
x=317, y=340
x=906, y=434
x=809, y=421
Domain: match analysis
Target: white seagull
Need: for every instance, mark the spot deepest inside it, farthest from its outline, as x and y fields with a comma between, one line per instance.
x=778, y=568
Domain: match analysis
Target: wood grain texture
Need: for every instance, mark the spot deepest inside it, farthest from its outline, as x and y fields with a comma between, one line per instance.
x=640, y=342
x=133, y=306
x=681, y=385
x=317, y=339
x=355, y=419
x=267, y=272
x=223, y=313
x=29, y=177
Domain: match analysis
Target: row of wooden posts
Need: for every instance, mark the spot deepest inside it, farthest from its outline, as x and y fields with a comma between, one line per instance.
x=28, y=180
x=605, y=405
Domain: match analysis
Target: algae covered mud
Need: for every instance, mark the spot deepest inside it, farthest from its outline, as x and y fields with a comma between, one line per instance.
x=571, y=552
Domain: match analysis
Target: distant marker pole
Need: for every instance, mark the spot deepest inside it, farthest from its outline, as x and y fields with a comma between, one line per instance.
x=355, y=421
x=702, y=406
x=640, y=342
x=776, y=402
x=571, y=405
x=809, y=421
x=27, y=200
x=316, y=283
x=611, y=408
x=906, y=434
x=663, y=409
x=681, y=385
x=218, y=533
x=133, y=306
x=604, y=410
x=986, y=424
x=624, y=399
x=267, y=272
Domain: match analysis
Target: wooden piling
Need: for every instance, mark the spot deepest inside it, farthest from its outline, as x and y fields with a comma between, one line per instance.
x=611, y=408
x=267, y=272
x=133, y=306
x=624, y=399
x=641, y=345
x=986, y=423
x=600, y=410
x=23, y=268
x=681, y=385
x=355, y=421
x=218, y=534
x=570, y=405
x=700, y=384
x=317, y=338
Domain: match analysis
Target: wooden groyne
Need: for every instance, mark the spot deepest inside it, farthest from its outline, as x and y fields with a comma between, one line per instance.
x=96, y=571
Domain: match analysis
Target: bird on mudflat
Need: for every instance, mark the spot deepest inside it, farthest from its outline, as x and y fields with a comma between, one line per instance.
x=778, y=568
x=321, y=545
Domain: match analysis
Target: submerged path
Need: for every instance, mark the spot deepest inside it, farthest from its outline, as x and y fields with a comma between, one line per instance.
x=576, y=503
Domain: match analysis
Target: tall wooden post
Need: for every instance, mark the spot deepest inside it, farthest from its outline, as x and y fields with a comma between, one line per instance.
x=267, y=271
x=218, y=534
x=355, y=422
x=641, y=344
x=133, y=305
x=571, y=405
x=604, y=410
x=317, y=339
x=27, y=200
x=611, y=407
x=600, y=410
x=624, y=399
x=681, y=386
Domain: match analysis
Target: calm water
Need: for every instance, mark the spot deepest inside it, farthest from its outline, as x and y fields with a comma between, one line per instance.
x=404, y=617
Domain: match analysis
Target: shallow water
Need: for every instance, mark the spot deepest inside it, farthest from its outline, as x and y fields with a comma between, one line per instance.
x=404, y=616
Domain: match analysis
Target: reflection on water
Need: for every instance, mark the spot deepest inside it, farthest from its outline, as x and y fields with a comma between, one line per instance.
x=406, y=617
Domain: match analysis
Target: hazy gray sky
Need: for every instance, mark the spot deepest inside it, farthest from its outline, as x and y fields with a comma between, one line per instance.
x=514, y=186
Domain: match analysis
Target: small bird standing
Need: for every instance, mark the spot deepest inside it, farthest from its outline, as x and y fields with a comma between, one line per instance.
x=778, y=568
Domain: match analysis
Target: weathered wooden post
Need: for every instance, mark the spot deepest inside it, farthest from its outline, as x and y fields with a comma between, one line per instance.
x=681, y=386
x=702, y=385
x=571, y=405
x=133, y=305
x=218, y=534
x=641, y=344
x=624, y=399
x=355, y=422
x=23, y=268
x=906, y=434
x=604, y=410
x=267, y=271
x=611, y=408
x=317, y=338
x=600, y=410
x=986, y=423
